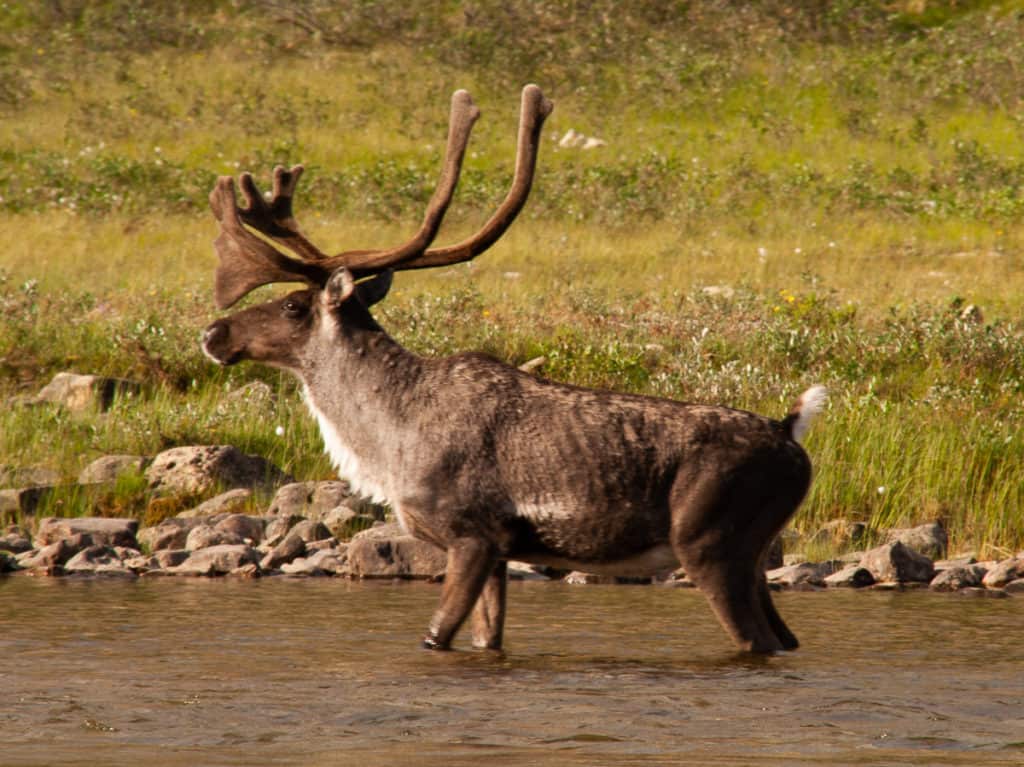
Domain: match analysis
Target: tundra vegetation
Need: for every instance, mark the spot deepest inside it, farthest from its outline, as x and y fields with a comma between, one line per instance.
x=789, y=193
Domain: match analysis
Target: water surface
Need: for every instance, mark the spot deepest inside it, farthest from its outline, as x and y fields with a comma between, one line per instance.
x=328, y=672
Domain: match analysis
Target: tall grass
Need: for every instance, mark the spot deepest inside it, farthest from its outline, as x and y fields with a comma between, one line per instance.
x=791, y=193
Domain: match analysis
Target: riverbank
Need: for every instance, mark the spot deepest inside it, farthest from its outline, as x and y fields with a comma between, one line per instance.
x=318, y=529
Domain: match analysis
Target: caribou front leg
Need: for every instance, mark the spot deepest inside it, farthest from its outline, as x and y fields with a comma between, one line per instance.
x=471, y=562
x=489, y=612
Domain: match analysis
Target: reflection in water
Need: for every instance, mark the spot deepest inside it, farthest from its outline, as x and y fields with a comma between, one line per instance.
x=327, y=672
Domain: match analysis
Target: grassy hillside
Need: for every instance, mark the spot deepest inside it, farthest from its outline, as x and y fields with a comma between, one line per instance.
x=790, y=192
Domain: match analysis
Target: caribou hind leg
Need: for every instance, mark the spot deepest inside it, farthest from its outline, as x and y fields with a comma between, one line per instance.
x=489, y=611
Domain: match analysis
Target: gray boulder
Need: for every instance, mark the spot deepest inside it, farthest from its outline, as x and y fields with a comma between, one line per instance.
x=170, y=534
x=158, y=560
x=198, y=470
x=28, y=476
x=217, y=560
x=802, y=574
x=78, y=393
x=204, y=536
x=288, y=550
x=108, y=468
x=387, y=552
x=245, y=526
x=101, y=560
x=15, y=541
x=1015, y=586
x=343, y=521
x=958, y=577
x=102, y=530
x=898, y=563
x=278, y=526
x=322, y=562
x=851, y=576
x=1004, y=572
x=309, y=499
x=231, y=502
x=17, y=501
x=55, y=554
x=930, y=540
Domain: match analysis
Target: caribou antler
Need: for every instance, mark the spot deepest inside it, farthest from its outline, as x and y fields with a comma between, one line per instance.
x=248, y=261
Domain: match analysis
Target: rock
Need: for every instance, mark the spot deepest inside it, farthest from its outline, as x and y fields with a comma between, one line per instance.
x=170, y=534
x=930, y=540
x=343, y=522
x=289, y=549
x=198, y=470
x=28, y=476
x=580, y=578
x=159, y=560
x=1004, y=572
x=309, y=499
x=101, y=560
x=1015, y=586
x=851, y=576
x=978, y=591
x=957, y=577
x=217, y=560
x=102, y=530
x=253, y=393
x=961, y=561
x=78, y=393
x=310, y=530
x=8, y=564
x=109, y=468
x=386, y=552
x=323, y=562
x=248, y=570
x=898, y=563
x=231, y=502
x=523, y=571
x=15, y=542
x=22, y=500
x=809, y=573
x=204, y=536
x=245, y=526
x=277, y=528
x=55, y=554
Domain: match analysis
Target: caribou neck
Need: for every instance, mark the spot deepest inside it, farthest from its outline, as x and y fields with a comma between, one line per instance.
x=360, y=385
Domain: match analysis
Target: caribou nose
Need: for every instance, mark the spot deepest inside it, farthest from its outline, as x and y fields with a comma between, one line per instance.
x=214, y=342
x=215, y=333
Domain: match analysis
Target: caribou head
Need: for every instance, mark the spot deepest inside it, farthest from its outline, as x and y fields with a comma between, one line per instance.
x=262, y=243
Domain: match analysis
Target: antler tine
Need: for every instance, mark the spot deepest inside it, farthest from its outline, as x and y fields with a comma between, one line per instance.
x=535, y=109
x=275, y=219
x=463, y=114
x=246, y=261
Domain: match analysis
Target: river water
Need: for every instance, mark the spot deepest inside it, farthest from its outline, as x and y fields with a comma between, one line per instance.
x=328, y=672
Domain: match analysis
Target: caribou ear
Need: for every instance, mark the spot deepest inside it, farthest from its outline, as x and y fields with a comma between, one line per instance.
x=339, y=288
x=374, y=289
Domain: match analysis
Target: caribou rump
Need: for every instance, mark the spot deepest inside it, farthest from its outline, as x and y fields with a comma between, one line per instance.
x=490, y=463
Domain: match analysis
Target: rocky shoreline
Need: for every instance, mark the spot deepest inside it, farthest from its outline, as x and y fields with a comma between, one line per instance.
x=313, y=529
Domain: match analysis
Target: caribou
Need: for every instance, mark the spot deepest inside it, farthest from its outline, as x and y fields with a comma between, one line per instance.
x=491, y=463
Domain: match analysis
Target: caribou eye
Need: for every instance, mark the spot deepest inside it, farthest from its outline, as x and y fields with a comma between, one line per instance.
x=293, y=309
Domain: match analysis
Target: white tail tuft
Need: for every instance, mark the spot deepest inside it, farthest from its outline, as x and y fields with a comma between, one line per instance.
x=811, y=403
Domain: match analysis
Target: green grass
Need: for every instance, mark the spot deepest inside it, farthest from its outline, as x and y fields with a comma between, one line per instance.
x=848, y=176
